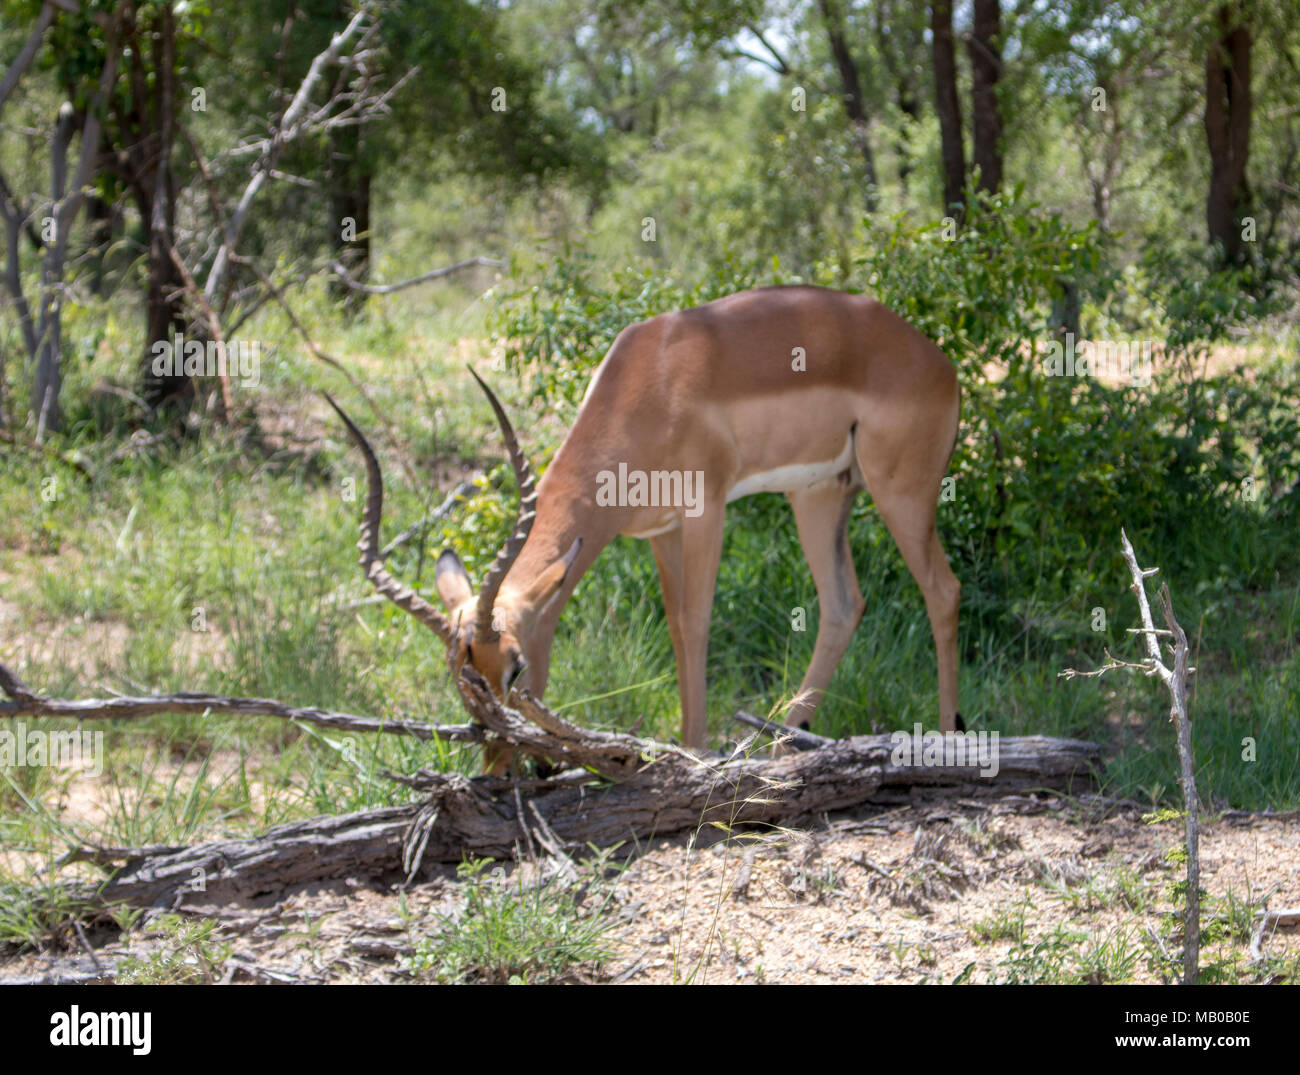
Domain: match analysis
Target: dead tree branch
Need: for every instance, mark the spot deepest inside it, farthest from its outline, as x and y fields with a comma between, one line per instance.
x=388, y=289
x=26, y=703
x=462, y=818
x=1175, y=679
x=1266, y=924
x=287, y=129
x=27, y=53
x=616, y=788
x=456, y=496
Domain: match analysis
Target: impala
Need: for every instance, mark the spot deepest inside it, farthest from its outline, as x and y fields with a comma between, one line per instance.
x=814, y=393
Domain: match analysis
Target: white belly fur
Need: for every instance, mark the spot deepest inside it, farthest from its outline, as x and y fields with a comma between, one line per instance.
x=778, y=480
x=794, y=477
x=673, y=524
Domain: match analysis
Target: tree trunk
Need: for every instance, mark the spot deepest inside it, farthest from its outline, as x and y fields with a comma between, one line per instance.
x=1227, y=130
x=48, y=373
x=349, y=185
x=103, y=220
x=165, y=318
x=986, y=66
x=165, y=290
x=851, y=94
x=1067, y=310
x=910, y=106
x=46, y=327
x=898, y=39
x=947, y=104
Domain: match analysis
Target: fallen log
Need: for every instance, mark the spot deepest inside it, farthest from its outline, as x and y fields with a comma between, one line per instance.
x=615, y=788
x=462, y=818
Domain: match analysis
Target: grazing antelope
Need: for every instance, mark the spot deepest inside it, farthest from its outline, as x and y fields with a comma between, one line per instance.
x=814, y=393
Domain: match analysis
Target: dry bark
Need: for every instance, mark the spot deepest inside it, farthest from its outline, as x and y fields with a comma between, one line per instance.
x=614, y=789
x=462, y=818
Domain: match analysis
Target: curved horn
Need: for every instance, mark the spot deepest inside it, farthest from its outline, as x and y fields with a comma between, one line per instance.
x=487, y=595
x=372, y=564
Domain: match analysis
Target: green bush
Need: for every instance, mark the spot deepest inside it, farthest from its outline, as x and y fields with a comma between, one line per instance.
x=556, y=331
x=1049, y=468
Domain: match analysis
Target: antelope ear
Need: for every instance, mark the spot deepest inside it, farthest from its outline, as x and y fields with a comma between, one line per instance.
x=452, y=580
x=548, y=584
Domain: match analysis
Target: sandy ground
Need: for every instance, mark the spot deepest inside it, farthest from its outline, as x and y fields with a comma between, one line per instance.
x=917, y=894
x=909, y=897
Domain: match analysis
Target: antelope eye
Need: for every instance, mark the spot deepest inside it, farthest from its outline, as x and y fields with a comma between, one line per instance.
x=516, y=670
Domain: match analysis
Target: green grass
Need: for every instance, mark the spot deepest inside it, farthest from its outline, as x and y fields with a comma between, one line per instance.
x=1005, y=924
x=188, y=953
x=509, y=932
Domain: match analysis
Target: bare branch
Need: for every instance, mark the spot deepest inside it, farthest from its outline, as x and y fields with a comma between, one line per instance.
x=210, y=316
x=388, y=289
x=778, y=63
x=456, y=496
x=26, y=54
x=800, y=738
x=27, y=704
x=1269, y=922
x=1178, y=713
x=286, y=131
x=1144, y=608
x=1176, y=681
